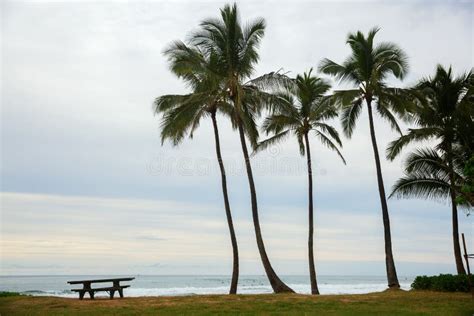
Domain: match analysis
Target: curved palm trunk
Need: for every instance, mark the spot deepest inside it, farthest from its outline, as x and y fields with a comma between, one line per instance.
x=389, y=262
x=457, y=249
x=312, y=270
x=235, y=250
x=277, y=284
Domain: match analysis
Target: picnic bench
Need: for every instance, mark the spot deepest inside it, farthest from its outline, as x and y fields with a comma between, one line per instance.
x=116, y=287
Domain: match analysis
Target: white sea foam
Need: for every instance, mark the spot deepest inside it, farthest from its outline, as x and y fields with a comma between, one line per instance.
x=360, y=288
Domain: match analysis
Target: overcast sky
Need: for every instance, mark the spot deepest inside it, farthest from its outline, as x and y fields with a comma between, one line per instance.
x=86, y=182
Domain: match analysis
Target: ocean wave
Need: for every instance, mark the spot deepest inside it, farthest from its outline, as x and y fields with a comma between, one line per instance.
x=360, y=288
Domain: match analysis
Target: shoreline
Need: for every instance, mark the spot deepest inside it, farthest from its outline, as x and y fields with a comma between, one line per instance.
x=202, y=285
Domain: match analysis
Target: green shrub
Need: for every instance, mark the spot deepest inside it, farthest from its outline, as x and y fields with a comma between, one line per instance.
x=442, y=283
x=422, y=283
x=6, y=294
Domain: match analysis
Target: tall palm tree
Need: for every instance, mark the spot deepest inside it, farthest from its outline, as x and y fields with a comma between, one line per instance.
x=367, y=68
x=300, y=112
x=235, y=48
x=445, y=112
x=183, y=113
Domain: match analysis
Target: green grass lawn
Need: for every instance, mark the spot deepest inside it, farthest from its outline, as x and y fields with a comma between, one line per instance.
x=386, y=303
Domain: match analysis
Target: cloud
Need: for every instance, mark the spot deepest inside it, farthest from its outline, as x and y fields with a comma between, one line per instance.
x=78, y=234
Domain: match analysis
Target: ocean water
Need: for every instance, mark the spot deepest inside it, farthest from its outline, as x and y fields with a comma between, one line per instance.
x=156, y=285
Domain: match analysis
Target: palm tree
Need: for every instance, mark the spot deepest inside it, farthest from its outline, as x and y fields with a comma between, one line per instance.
x=367, y=68
x=183, y=113
x=444, y=112
x=299, y=113
x=235, y=48
x=428, y=175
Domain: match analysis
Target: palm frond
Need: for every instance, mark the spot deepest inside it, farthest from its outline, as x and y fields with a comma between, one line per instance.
x=344, y=98
x=414, y=134
x=251, y=37
x=427, y=161
x=397, y=100
x=167, y=102
x=300, y=139
x=325, y=140
x=390, y=59
x=272, y=141
x=278, y=122
x=340, y=72
x=349, y=116
x=180, y=121
x=248, y=120
x=273, y=81
x=325, y=128
x=420, y=186
x=389, y=117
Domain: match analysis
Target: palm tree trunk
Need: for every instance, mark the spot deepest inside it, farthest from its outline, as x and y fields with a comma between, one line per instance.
x=312, y=270
x=389, y=262
x=235, y=250
x=457, y=249
x=277, y=284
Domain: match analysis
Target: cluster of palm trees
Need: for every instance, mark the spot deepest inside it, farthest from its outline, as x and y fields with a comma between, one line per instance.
x=217, y=64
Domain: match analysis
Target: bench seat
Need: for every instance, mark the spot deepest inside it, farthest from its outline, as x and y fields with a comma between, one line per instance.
x=111, y=290
x=102, y=288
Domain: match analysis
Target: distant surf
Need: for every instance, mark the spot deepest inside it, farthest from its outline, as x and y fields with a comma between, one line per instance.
x=153, y=285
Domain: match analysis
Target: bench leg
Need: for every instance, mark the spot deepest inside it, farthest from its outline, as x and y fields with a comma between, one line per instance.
x=91, y=294
x=81, y=295
x=112, y=294
x=121, y=293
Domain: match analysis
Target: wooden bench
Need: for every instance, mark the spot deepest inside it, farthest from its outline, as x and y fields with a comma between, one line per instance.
x=116, y=287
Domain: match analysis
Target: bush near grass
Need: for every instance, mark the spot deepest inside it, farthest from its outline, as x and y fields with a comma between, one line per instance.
x=7, y=294
x=442, y=283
